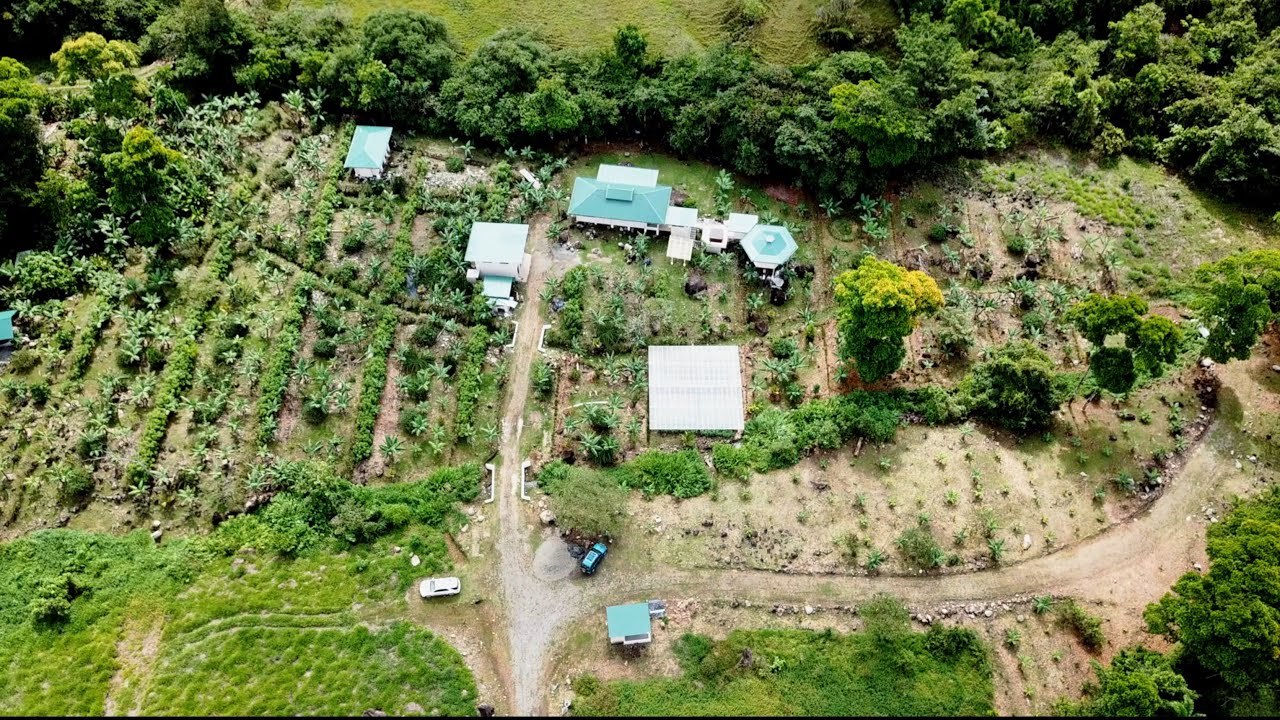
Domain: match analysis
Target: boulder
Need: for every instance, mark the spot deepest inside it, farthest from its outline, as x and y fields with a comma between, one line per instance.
x=547, y=517
x=695, y=285
x=415, y=561
x=1026, y=542
x=156, y=534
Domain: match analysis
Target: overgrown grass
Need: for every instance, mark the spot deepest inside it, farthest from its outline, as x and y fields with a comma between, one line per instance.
x=672, y=27
x=272, y=670
x=800, y=672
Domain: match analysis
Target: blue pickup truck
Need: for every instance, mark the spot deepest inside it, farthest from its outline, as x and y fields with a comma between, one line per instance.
x=591, y=561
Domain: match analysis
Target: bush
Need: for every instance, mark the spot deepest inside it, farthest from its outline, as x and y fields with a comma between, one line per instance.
x=939, y=233
x=176, y=378
x=589, y=501
x=74, y=484
x=680, y=474
x=275, y=379
x=734, y=461
x=1086, y=627
x=470, y=382
x=23, y=361
x=325, y=348
x=371, y=386
x=1016, y=387
x=544, y=378
x=691, y=649
x=455, y=164
x=920, y=548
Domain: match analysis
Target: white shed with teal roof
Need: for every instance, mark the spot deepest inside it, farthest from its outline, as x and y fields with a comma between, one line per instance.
x=367, y=155
x=6, y=327
x=496, y=254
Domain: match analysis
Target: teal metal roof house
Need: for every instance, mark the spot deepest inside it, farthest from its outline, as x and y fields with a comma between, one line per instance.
x=621, y=196
x=629, y=624
x=6, y=327
x=368, y=152
x=769, y=246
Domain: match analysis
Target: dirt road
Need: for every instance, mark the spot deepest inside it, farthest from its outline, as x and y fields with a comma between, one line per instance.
x=1125, y=566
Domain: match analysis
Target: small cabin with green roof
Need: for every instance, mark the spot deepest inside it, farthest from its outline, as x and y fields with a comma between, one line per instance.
x=621, y=197
x=367, y=155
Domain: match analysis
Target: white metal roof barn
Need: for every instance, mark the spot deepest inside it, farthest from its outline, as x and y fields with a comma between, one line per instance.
x=695, y=387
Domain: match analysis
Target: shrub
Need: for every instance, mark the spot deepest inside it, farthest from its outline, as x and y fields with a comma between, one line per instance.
x=470, y=382
x=1086, y=627
x=325, y=348
x=680, y=474
x=544, y=378
x=275, y=379
x=734, y=461
x=938, y=233
x=454, y=164
x=920, y=548
x=590, y=502
x=176, y=378
x=23, y=361
x=1016, y=387
x=75, y=483
x=371, y=386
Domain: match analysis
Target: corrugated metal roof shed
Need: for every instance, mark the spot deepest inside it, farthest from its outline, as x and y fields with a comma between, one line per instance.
x=497, y=243
x=695, y=387
x=369, y=146
x=626, y=175
x=611, y=201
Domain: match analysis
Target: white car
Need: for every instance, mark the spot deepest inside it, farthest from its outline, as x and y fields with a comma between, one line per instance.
x=438, y=587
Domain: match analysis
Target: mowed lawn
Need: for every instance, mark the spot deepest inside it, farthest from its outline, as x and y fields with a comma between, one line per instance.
x=673, y=26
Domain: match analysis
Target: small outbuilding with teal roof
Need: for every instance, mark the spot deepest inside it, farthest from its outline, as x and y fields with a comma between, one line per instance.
x=6, y=328
x=367, y=155
x=629, y=624
x=769, y=246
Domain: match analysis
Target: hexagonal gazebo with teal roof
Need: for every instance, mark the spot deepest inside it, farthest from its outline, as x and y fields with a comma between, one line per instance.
x=769, y=246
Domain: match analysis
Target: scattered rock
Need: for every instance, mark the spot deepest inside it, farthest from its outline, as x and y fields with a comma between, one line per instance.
x=987, y=613
x=1026, y=542
x=1021, y=617
x=415, y=561
x=373, y=712
x=395, y=550
x=547, y=517
x=155, y=524
x=484, y=710
x=1197, y=567
x=1206, y=363
x=808, y=610
x=1275, y=368
x=413, y=708
x=155, y=535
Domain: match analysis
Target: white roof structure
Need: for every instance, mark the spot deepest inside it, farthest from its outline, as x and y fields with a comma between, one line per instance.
x=680, y=244
x=626, y=175
x=740, y=223
x=682, y=216
x=695, y=387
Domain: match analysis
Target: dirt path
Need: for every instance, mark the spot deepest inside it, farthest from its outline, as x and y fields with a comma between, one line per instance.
x=536, y=610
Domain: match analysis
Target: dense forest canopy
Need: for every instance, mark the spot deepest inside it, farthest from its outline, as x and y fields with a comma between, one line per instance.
x=1191, y=83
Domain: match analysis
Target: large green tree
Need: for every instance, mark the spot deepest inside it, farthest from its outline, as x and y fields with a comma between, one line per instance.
x=1243, y=296
x=20, y=98
x=139, y=176
x=488, y=91
x=878, y=304
x=1149, y=343
x=108, y=66
x=1227, y=621
x=1138, y=683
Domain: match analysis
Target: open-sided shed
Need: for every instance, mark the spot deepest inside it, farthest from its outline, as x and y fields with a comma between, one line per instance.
x=695, y=387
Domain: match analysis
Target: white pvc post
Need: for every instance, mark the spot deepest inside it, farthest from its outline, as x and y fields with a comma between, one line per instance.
x=493, y=481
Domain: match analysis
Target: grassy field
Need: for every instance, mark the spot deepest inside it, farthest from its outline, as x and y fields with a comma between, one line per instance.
x=800, y=672
x=673, y=26
x=93, y=624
